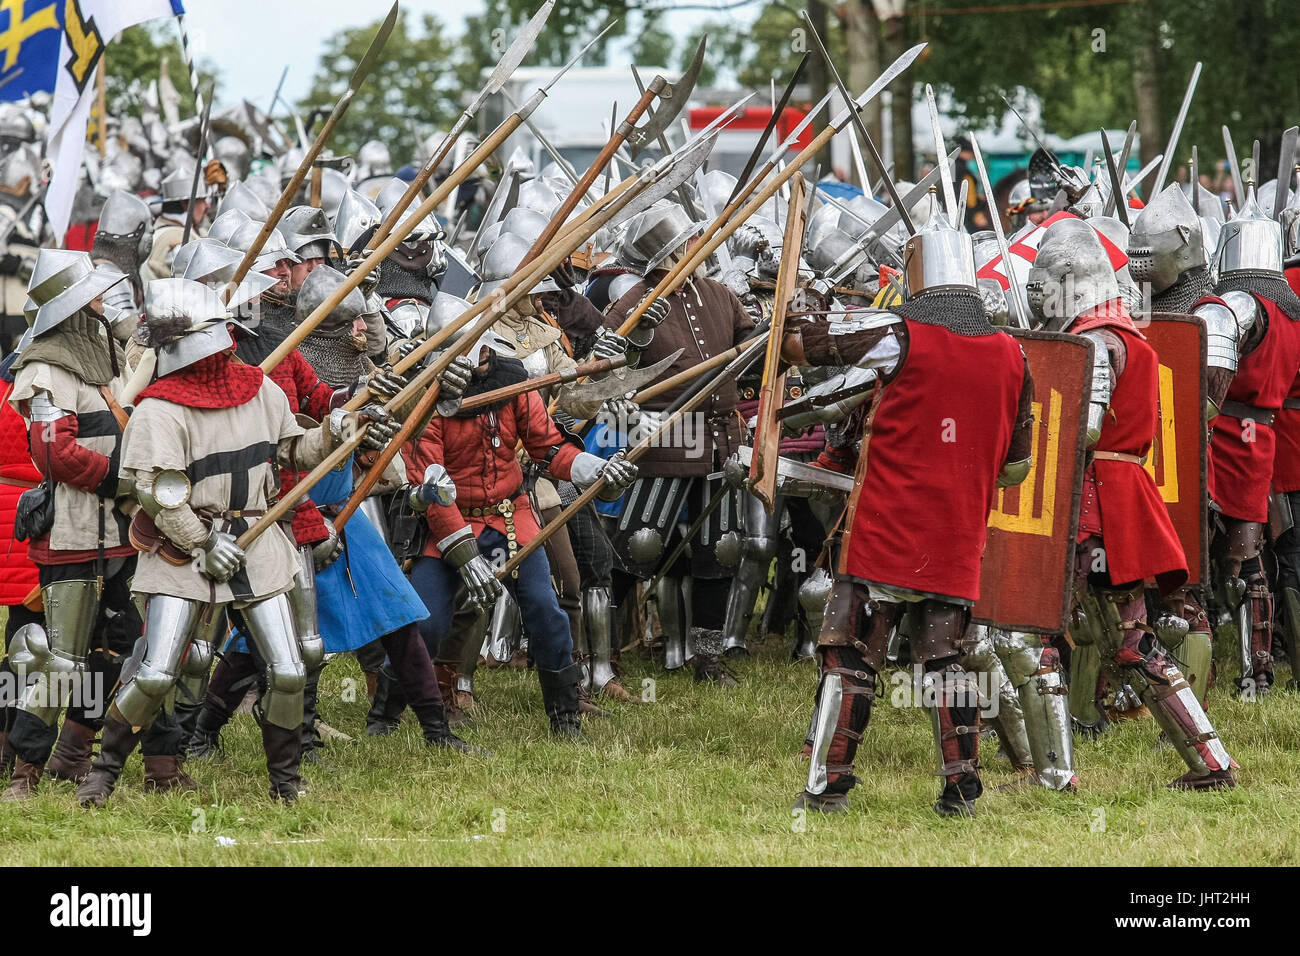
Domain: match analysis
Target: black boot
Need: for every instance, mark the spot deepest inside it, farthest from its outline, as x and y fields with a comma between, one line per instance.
x=115, y=746
x=560, y=697
x=312, y=744
x=283, y=748
x=437, y=733
x=205, y=743
x=385, y=712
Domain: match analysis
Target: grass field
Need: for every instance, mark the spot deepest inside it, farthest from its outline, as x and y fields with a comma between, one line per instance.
x=700, y=776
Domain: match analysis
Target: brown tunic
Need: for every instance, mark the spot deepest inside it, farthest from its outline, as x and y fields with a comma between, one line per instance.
x=704, y=319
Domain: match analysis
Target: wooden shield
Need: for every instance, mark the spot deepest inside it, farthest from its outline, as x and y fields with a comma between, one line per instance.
x=1179, y=458
x=1028, y=570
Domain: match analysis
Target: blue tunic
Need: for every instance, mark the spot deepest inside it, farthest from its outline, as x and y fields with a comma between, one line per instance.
x=364, y=594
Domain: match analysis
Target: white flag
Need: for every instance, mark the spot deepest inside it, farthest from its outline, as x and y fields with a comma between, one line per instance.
x=89, y=25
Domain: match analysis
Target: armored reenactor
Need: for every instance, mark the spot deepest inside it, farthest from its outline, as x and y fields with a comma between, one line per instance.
x=951, y=426
x=169, y=225
x=202, y=451
x=1125, y=534
x=702, y=318
x=1252, y=295
x=350, y=590
x=65, y=384
x=123, y=240
x=493, y=517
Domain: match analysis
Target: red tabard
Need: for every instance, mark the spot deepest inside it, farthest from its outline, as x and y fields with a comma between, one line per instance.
x=1130, y=515
x=1286, y=426
x=939, y=439
x=1241, y=455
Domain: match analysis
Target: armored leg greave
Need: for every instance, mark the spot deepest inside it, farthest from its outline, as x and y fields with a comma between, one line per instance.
x=271, y=626
x=156, y=663
x=852, y=651
x=1245, y=594
x=813, y=594
x=302, y=605
x=1035, y=672
x=978, y=654
x=1194, y=651
x=674, y=618
x=57, y=652
x=597, y=623
x=1159, y=682
x=952, y=696
x=756, y=554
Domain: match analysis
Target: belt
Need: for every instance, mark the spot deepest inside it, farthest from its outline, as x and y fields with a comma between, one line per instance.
x=1119, y=456
x=1291, y=403
x=18, y=482
x=506, y=509
x=213, y=515
x=1261, y=416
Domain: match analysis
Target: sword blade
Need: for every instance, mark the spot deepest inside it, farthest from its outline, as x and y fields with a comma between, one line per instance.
x=1285, y=159
x=1233, y=167
x=1178, y=130
x=1116, y=187
x=945, y=174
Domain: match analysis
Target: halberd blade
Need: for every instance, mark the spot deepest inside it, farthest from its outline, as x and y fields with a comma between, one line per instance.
x=672, y=98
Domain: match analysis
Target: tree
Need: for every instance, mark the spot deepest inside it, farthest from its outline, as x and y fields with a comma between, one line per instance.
x=413, y=89
x=135, y=61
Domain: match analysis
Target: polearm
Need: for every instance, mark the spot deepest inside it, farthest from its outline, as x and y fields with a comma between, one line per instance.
x=775, y=118
x=504, y=68
x=543, y=381
x=198, y=167
x=996, y=219
x=396, y=235
x=733, y=369
x=672, y=98
x=425, y=383
x=722, y=229
x=629, y=197
x=856, y=118
x=358, y=77
x=767, y=431
x=488, y=313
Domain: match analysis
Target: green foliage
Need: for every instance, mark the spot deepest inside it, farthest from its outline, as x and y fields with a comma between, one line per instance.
x=135, y=61
x=412, y=91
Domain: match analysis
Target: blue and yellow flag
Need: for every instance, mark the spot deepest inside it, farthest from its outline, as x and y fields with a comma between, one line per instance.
x=31, y=32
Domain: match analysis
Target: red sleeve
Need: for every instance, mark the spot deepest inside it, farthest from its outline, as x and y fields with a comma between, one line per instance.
x=308, y=522
x=419, y=455
x=57, y=455
x=540, y=435
x=313, y=394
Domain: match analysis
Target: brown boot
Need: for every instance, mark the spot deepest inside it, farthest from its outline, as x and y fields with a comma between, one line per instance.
x=163, y=774
x=119, y=739
x=614, y=690
x=446, y=675
x=71, y=757
x=372, y=684
x=26, y=777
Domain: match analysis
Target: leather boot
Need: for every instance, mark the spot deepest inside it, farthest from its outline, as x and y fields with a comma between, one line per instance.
x=23, y=786
x=283, y=754
x=205, y=744
x=163, y=774
x=385, y=712
x=7, y=755
x=70, y=759
x=560, y=697
x=447, y=674
x=114, y=748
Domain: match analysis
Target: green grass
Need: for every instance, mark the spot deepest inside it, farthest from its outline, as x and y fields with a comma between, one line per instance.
x=699, y=777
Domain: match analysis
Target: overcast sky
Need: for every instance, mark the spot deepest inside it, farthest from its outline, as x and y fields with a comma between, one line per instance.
x=251, y=41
